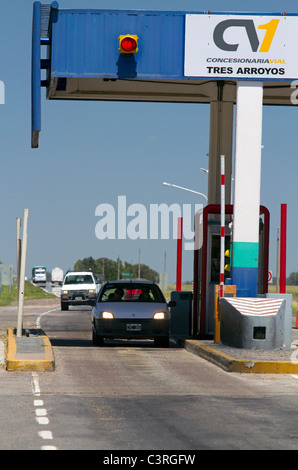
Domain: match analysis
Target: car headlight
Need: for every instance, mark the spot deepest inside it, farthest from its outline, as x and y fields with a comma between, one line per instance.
x=107, y=315
x=65, y=292
x=92, y=291
x=160, y=316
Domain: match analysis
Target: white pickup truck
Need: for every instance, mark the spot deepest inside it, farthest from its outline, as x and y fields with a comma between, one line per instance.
x=79, y=288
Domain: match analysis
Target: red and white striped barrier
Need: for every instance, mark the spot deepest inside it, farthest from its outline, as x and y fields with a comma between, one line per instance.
x=249, y=306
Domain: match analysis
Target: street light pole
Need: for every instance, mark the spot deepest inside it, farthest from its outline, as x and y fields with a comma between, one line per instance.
x=185, y=189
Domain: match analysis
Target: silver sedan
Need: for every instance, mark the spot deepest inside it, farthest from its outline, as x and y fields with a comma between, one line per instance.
x=131, y=310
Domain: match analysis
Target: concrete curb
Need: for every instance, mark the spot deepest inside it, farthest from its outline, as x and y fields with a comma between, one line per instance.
x=230, y=364
x=38, y=358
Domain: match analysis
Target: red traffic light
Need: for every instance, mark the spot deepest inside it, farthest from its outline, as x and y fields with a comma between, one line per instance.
x=128, y=44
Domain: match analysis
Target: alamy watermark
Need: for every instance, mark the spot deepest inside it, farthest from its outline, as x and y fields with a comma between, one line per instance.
x=2, y=92
x=294, y=94
x=136, y=221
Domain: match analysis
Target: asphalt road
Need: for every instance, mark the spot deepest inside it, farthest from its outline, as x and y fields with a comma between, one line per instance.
x=133, y=396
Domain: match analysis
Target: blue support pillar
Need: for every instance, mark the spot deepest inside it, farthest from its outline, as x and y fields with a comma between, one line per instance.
x=36, y=76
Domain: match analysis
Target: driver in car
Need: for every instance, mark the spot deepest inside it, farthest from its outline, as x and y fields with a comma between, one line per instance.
x=117, y=295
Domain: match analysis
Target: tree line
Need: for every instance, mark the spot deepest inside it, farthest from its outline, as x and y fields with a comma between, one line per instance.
x=292, y=280
x=113, y=270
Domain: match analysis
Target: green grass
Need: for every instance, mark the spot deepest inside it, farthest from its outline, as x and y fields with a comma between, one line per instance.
x=31, y=292
x=172, y=287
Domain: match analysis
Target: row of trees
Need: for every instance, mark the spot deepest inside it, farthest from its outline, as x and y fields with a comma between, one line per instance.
x=292, y=280
x=113, y=270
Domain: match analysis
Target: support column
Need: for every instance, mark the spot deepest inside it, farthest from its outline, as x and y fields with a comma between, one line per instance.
x=245, y=247
x=220, y=143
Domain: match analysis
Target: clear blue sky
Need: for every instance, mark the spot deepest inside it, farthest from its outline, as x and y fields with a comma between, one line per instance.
x=92, y=152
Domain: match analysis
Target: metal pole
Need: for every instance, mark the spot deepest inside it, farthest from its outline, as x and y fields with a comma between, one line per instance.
x=222, y=227
x=18, y=253
x=277, y=262
x=179, y=255
x=139, y=266
x=22, y=276
x=185, y=189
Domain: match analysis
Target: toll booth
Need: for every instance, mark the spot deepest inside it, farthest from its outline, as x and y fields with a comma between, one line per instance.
x=207, y=263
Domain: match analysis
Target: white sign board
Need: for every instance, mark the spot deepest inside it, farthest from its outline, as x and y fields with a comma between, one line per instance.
x=241, y=47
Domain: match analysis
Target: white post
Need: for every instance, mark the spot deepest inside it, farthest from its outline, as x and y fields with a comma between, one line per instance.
x=18, y=254
x=22, y=276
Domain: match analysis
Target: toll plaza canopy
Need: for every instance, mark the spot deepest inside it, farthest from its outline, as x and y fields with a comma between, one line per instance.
x=181, y=56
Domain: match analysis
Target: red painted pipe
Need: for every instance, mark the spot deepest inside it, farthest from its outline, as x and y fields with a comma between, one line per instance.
x=283, y=247
x=179, y=254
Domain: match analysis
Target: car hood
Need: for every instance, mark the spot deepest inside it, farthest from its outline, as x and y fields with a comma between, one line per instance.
x=132, y=309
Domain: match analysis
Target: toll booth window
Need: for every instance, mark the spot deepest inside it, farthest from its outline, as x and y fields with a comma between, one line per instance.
x=215, y=258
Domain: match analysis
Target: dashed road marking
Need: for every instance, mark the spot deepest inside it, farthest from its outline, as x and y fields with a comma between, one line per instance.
x=45, y=434
x=41, y=415
x=40, y=411
x=35, y=384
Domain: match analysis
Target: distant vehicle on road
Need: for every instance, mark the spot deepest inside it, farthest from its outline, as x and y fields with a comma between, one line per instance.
x=39, y=275
x=57, y=277
x=79, y=288
x=132, y=310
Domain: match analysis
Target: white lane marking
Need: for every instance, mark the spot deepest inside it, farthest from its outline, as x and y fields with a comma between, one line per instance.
x=37, y=323
x=42, y=420
x=45, y=434
x=38, y=402
x=41, y=414
x=35, y=384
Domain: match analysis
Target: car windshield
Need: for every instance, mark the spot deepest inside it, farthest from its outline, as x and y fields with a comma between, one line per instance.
x=79, y=279
x=131, y=292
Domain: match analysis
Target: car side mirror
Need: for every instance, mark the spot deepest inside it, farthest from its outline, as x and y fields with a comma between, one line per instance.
x=172, y=303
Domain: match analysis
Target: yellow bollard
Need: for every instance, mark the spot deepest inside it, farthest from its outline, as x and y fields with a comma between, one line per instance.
x=229, y=291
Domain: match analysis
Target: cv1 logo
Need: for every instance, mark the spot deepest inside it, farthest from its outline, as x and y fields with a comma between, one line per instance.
x=271, y=27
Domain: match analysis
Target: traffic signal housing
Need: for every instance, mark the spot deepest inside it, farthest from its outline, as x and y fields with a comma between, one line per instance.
x=228, y=261
x=128, y=43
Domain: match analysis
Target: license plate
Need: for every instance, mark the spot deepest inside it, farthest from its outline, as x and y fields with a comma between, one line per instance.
x=79, y=298
x=133, y=327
